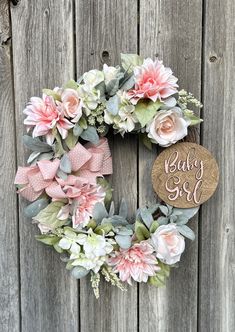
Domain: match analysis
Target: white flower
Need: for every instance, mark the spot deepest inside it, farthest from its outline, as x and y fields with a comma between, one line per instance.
x=71, y=240
x=90, y=97
x=167, y=127
x=93, y=77
x=125, y=120
x=95, y=248
x=110, y=73
x=168, y=243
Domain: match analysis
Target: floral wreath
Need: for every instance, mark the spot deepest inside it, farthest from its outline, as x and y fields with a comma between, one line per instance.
x=71, y=201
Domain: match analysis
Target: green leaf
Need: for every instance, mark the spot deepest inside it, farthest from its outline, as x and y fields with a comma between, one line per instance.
x=52, y=94
x=146, y=140
x=48, y=216
x=72, y=139
x=128, y=83
x=146, y=110
x=186, y=231
x=129, y=61
x=188, y=213
x=79, y=272
x=164, y=210
x=124, y=241
x=112, y=105
x=47, y=239
x=154, y=226
x=107, y=188
x=82, y=123
x=103, y=229
x=158, y=280
x=34, y=208
x=194, y=120
x=59, y=150
x=90, y=134
x=71, y=85
x=141, y=231
x=163, y=220
x=35, y=144
x=99, y=212
x=65, y=164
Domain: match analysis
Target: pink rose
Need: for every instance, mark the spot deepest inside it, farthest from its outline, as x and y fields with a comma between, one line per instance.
x=153, y=81
x=137, y=262
x=168, y=243
x=167, y=127
x=72, y=104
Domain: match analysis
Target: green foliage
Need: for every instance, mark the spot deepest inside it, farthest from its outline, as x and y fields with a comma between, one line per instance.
x=159, y=280
x=146, y=110
x=141, y=231
x=146, y=140
x=49, y=239
x=129, y=61
x=112, y=105
x=35, y=144
x=52, y=94
x=71, y=85
x=107, y=188
x=79, y=272
x=72, y=139
x=48, y=216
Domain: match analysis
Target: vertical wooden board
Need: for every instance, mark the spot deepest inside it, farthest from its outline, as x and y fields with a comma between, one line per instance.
x=103, y=30
x=9, y=266
x=217, y=245
x=171, y=30
x=43, y=56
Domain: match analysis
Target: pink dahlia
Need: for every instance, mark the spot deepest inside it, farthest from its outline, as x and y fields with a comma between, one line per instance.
x=43, y=114
x=81, y=196
x=153, y=81
x=137, y=262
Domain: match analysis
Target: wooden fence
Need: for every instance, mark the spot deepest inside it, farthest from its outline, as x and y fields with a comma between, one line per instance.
x=43, y=43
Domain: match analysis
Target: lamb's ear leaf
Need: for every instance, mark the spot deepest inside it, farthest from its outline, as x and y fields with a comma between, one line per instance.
x=186, y=231
x=65, y=164
x=188, y=213
x=124, y=241
x=35, y=144
x=90, y=134
x=112, y=105
x=99, y=212
x=146, y=217
x=123, y=210
x=34, y=208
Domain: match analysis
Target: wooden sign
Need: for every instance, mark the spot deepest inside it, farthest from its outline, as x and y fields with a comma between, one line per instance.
x=185, y=175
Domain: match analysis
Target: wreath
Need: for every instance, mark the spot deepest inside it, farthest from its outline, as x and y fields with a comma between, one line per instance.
x=71, y=200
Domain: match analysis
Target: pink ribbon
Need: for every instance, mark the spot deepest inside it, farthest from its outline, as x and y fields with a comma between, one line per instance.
x=87, y=163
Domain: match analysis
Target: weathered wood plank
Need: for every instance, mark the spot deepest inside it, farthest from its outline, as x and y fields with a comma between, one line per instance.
x=42, y=34
x=9, y=267
x=172, y=31
x=104, y=29
x=217, y=243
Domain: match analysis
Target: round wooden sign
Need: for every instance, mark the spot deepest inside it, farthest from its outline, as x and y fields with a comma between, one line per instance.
x=185, y=175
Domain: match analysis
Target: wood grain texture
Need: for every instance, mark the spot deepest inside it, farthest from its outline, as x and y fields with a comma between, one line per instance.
x=172, y=31
x=9, y=265
x=185, y=175
x=42, y=34
x=103, y=30
x=217, y=242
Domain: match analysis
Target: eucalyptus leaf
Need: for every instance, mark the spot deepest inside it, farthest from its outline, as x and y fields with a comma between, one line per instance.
x=90, y=134
x=112, y=105
x=79, y=272
x=123, y=241
x=65, y=164
x=34, y=208
x=35, y=144
x=186, y=231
